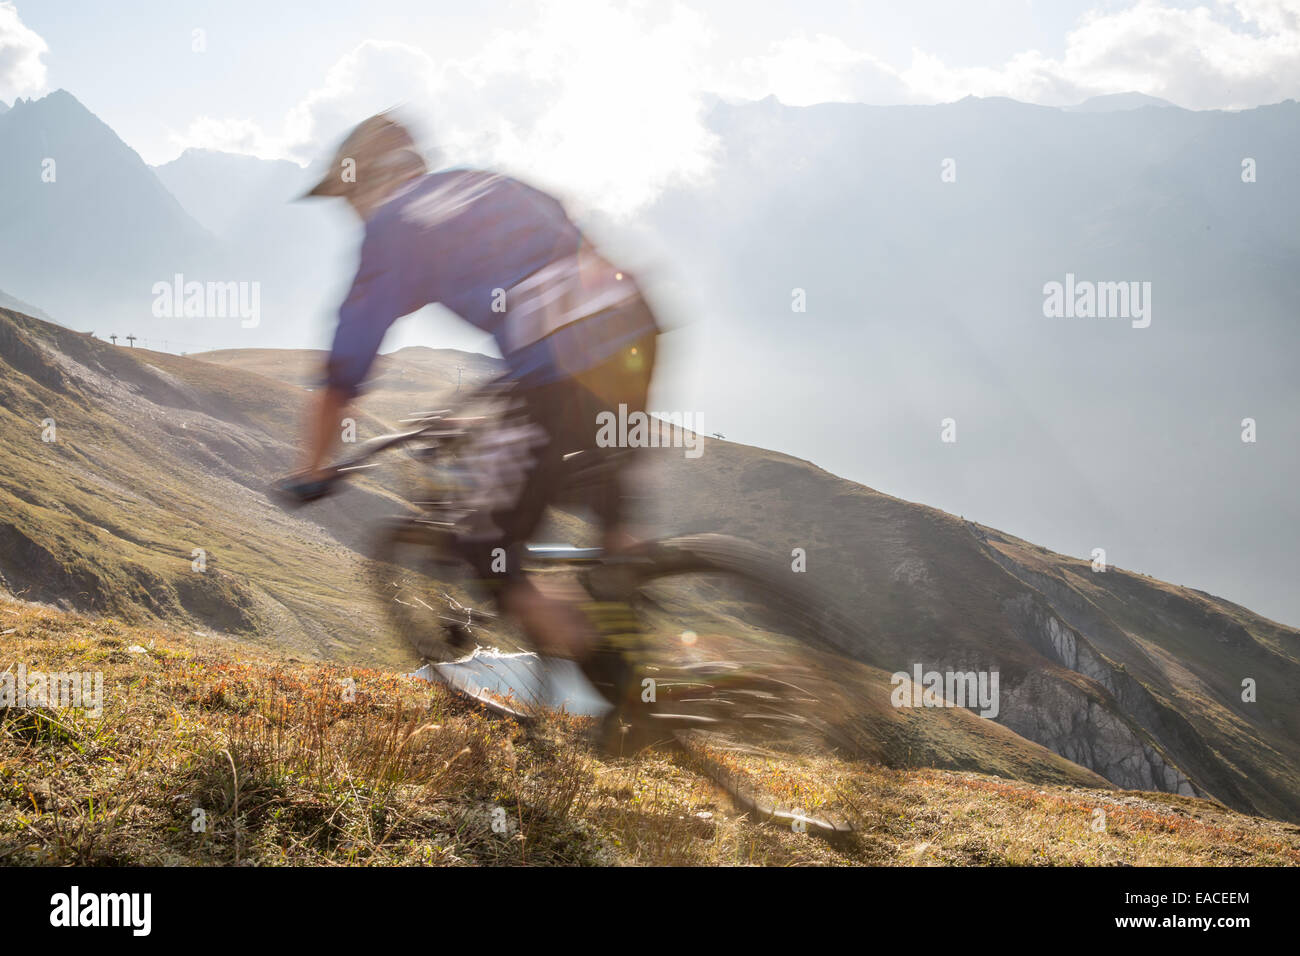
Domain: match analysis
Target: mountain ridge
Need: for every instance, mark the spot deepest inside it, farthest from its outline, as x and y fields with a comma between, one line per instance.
x=1129, y=677
x=73, y=197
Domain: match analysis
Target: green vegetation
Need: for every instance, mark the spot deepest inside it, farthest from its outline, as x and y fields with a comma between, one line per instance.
x=289, y=771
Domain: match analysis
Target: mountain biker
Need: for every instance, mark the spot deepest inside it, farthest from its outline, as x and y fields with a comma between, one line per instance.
x=576, y=335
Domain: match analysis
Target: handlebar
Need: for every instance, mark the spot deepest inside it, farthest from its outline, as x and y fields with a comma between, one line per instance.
x=434, y=426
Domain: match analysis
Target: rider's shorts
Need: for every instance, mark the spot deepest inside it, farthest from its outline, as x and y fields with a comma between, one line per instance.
x=521, y=465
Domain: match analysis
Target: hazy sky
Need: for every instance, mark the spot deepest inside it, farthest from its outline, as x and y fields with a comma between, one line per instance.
x=605, y=99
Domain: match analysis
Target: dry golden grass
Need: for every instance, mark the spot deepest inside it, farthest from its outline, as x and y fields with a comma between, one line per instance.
x=290, y=768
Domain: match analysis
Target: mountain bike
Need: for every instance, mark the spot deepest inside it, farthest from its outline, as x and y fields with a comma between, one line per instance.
x=701, y=636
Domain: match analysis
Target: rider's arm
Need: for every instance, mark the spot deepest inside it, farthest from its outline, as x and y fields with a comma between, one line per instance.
x=382, y=292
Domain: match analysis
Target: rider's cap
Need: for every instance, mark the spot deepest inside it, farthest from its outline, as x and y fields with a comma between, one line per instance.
x=379, y=152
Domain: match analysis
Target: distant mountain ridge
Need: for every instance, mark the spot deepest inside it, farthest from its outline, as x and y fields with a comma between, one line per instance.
x=18, y=305
x=80, y=210
x=87, y=229
x=1109, y=102
x=921, y=240
x=224, y=191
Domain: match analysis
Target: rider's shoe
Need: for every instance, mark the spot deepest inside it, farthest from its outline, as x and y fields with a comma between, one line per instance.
x=295, y=490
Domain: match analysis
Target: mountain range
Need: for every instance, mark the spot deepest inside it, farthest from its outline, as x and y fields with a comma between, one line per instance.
x=88, y=229
x=919, y=241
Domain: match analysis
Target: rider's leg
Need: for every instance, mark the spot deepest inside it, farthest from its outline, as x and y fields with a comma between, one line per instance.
x=563, y=416
x=327, y=409
x=625, y=380
x=567, y=412
x=553, y=622
x=517, y=472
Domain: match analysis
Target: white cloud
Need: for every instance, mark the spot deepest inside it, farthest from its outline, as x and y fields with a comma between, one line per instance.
x=376, y=75
x=228, y=135
x=1197, y=58
x=1238, y=54
x=606, y=103
x=1272, y=16
x=603, y=103
x=800, y=71
x=21, y=48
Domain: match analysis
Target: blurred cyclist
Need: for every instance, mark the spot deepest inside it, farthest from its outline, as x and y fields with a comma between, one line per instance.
x=576, y=335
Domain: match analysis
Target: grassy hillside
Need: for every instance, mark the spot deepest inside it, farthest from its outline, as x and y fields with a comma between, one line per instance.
x=1138, y=679
x=156, y=456
x=1135, y=680
x=402, y=383
x=289, y=769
